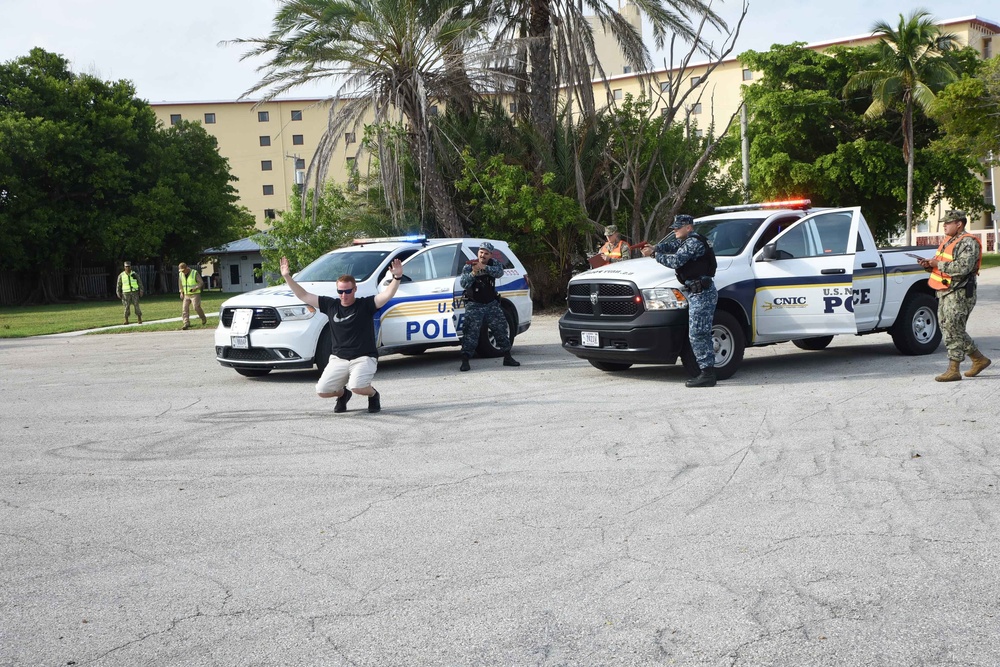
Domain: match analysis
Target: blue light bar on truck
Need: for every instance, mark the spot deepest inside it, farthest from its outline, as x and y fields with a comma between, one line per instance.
x=416, y=238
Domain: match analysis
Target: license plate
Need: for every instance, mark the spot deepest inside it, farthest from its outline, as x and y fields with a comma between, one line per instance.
x=240, y=325
x=241, y=342
x=590, y=339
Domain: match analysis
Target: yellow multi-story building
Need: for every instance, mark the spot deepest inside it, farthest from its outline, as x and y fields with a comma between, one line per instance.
x=269, y=146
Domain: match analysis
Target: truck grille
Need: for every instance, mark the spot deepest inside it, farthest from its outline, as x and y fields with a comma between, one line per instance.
x=263, y=318
x=604, y=299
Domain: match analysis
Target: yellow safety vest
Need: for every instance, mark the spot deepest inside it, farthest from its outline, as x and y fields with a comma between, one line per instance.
x=129, y=282
x=189, y=283
x=940, y=280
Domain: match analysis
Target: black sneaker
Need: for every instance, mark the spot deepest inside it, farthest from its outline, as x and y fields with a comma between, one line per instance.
x=465, y=363
x=374, y=402
x=342, y=400
x=510, y=361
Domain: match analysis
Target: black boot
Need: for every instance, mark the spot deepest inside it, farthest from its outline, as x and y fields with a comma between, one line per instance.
x=509, y=360
x=342, y=400
x=374, y=402
x=465, y=363
x=705, y=379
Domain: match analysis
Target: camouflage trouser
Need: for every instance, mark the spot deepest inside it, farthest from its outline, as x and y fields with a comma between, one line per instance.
x=475, y=313
x=701, y=313
x=953, y=313
x=130, y=300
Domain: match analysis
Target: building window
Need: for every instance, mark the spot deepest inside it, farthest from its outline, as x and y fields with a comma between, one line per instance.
x=269, y=214
x=699, y=133
x=988, y=193
x=258, y=274
x=234, y=274
x=664, y=86
x=695, y=80
x=175, y=118
x=265, y=165
x=696, y=108
x=210, y=119
x=296, y=115
x=617, y=92
x=268, y=189
x=297, y=140
x=433, y=110
x=263, y=116
x=987, y=48
x=300, y=163
x=664, y=111
x=351, y=163
x=627, y=69
x=349, y=137
x=513, y=107
x=265, y=140
x=747, y=75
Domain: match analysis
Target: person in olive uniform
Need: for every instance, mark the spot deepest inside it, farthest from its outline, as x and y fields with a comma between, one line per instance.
x=482, y=303
x=953, y=278
x=190, y=286
x=691, y=256
x=616, y=249
x=129, y=289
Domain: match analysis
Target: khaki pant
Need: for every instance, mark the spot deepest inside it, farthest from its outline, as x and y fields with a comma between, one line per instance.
x=192, y=300
x=131, y=300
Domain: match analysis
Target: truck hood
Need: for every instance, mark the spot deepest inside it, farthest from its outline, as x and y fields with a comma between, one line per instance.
x=645, y=272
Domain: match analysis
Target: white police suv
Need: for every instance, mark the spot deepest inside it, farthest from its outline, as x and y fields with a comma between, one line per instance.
x=270, y=328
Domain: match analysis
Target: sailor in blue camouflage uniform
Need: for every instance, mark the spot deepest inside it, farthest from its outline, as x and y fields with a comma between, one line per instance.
x=482, y=302
x=691, y=256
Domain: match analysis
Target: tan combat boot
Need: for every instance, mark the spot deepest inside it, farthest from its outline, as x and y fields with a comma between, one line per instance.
x=980, y=363
x=951, y=374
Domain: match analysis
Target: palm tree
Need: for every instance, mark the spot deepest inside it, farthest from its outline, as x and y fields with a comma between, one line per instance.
x=391, y=59
x=909, y=70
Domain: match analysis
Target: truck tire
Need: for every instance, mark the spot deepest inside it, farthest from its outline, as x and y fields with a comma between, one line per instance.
x=487, y=347
x=817, y=343
x=324, y=347
x=253, y=372
x=609, y=366
x=917, y=330
x=729, y=343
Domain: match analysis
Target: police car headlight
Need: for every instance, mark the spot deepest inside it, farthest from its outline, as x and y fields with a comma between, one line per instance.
x=663, y=298
x=302, y=312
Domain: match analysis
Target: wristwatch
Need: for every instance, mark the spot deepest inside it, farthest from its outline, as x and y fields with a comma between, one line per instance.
x=397, y=277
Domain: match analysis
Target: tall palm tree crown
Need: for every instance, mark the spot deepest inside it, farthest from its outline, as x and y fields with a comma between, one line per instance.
x=911, y=69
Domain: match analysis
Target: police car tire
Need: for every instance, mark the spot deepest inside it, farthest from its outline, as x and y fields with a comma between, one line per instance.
x=917, y=330
x=817, y=343
x=324, y=346
x=253, y=372
x=413, y=351
x=486, y=349
x=726, y=327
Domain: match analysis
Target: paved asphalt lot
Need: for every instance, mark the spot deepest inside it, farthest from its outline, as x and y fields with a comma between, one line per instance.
x=820, y=508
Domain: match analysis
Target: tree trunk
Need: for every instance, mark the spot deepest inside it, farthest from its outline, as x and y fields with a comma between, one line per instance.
x=542, y=86
x=908, y=150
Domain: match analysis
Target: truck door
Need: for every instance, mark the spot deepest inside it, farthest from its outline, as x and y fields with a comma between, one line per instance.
x=804, y=278
x=420, y=312
x=869, y=281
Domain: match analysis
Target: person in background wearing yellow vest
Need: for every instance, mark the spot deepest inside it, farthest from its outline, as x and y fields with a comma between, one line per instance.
x=190, y=286
x=953, y=277
x=129, y=289
x=616, y=249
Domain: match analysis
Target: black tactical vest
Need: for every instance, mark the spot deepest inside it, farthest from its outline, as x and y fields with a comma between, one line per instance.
x=703, y=266
x=483, y=288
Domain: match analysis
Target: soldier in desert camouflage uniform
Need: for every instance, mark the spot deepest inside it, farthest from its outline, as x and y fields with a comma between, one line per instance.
x=483, y=303
x=953, y=276
x=691, y=256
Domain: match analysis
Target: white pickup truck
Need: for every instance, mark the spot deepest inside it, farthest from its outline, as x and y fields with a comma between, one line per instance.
x=783, y=275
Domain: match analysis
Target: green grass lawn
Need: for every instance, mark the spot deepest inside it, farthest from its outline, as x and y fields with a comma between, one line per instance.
x=22, y=321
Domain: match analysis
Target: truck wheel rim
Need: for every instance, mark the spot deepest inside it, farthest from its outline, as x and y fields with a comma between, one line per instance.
x=924, y=327
x=722, y=341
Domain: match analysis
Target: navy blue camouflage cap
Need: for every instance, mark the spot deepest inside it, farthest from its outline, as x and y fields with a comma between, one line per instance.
x=486, y=245
x=681, y=220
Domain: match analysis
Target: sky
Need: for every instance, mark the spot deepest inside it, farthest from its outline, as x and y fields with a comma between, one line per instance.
x=171, y=52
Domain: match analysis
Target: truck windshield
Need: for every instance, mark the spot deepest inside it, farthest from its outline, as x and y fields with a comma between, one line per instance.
x=727, y=236
x=358, y=263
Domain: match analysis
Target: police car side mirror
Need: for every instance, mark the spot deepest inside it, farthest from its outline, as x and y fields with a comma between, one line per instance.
x=768, y=254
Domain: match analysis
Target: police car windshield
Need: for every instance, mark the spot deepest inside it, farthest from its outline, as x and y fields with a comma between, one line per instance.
x=727, y=236
x=358, y=263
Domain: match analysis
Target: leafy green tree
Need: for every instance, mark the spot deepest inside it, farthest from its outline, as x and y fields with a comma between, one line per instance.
x=911, y=68
x=969, y=113
x=340, y=216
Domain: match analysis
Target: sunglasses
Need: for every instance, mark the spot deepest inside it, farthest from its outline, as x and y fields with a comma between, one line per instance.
x=345, y=291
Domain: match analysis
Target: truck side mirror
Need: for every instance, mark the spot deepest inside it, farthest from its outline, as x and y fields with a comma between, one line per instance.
x=768, y=254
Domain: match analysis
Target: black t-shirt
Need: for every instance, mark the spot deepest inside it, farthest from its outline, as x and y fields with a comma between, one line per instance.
x=351, y=326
